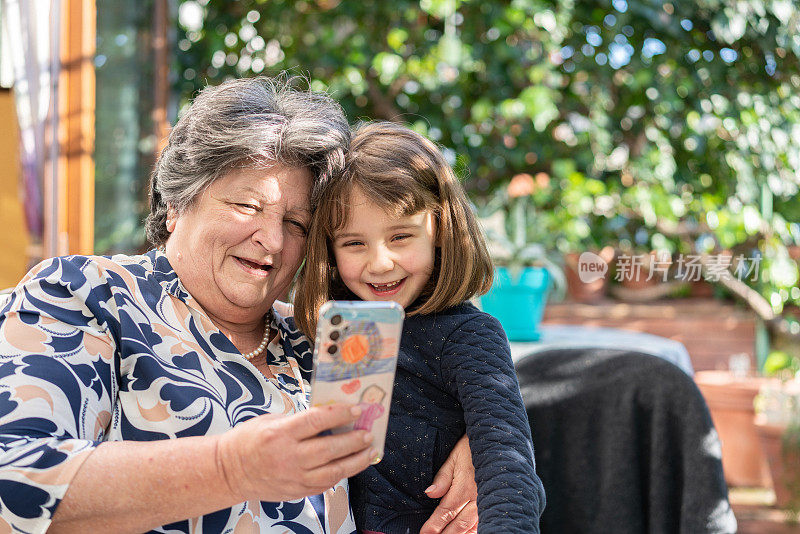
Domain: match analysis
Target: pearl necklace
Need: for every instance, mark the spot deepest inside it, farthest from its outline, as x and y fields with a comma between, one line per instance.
x=252, y=354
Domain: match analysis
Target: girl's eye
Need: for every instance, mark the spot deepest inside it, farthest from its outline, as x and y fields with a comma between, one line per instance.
x=352, y=243
x=400, y=237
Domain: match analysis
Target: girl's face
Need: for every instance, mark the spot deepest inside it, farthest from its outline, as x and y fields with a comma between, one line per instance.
x=383, y=257
x=373, y=395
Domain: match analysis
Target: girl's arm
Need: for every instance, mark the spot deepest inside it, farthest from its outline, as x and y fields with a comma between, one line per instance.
x=477, y=365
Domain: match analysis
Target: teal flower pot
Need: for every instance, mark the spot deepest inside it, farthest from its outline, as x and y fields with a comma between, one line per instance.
x=518, y=303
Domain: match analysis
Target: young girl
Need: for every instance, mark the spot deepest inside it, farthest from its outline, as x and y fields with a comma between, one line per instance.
x=397, y=226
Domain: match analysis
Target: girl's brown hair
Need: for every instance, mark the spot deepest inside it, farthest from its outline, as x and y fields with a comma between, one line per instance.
x=403, y=173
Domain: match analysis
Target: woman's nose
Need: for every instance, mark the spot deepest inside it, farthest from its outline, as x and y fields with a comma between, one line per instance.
x=269, y=235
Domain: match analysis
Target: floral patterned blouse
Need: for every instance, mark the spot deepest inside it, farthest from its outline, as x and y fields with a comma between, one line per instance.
x=97, y=349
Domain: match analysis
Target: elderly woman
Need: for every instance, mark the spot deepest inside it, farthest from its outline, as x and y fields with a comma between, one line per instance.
x=168, y=391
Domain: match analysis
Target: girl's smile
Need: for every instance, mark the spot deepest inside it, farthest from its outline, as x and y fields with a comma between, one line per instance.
x=387, y=289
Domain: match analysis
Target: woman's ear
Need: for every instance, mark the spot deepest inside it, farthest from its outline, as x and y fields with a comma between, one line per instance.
x=172, y=218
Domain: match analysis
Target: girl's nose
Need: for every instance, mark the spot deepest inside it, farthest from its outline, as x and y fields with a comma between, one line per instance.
x=381, y=261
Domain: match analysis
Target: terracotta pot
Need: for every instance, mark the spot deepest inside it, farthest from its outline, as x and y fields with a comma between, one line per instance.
x=784, y=469
x=577, y=289
x=640, y=283
x=701, y=289
x=730, y=400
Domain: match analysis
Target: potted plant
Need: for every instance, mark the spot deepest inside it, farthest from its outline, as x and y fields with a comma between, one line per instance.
x=778, y=423
x=582, y=284
x=645, y=267
x=525, y=270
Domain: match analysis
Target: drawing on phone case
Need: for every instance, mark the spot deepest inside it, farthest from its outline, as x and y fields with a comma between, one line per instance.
x=356, y=350
x=371, y=407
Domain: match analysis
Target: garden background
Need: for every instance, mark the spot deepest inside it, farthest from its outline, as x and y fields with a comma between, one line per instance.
x=661, y=130
x=643, y=125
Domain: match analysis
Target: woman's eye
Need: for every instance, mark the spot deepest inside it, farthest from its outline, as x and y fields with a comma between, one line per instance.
x=248, y=207
x=298, y=226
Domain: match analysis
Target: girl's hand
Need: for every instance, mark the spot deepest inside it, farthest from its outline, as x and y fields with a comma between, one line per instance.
x=457, y=512
x=275, y=458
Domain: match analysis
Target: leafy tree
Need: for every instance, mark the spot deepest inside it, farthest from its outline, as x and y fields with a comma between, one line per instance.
x=650, y=124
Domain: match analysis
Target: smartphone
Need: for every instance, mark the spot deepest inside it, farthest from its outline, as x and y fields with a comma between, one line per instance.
x=355, y=357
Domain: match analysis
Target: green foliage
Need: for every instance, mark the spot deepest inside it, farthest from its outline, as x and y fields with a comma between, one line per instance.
x=781, y=363
x=661, y=124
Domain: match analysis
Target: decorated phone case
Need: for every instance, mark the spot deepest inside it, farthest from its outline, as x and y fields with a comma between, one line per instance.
x=355, y=357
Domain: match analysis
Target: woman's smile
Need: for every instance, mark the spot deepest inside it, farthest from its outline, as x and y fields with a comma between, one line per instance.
x=255, y=268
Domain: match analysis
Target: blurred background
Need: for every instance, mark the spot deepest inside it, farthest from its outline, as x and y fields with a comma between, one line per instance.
x=644, y=125
x=667, y=131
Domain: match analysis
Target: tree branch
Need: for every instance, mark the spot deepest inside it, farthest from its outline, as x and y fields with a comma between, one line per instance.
x=776, y=323
x=382, y=104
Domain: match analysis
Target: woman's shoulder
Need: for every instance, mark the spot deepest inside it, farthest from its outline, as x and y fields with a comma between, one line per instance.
x=93, y=279
x=91, y=265
x=75, y=271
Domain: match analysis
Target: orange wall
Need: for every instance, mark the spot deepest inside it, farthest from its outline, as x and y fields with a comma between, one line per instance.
x=13, y=233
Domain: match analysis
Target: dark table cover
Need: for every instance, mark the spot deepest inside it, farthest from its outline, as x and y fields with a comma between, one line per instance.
x=624, y=443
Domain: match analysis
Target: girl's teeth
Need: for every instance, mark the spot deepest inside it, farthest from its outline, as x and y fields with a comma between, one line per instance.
x=384, y=287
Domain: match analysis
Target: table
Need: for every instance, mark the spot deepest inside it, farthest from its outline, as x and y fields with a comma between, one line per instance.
x=556, y=336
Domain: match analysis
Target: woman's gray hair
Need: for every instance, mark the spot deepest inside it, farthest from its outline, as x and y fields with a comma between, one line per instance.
x=241, y=123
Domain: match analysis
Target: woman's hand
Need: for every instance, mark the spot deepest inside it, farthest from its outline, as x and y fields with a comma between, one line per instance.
x=271, y=458
x=457, y=512
x=268, y=458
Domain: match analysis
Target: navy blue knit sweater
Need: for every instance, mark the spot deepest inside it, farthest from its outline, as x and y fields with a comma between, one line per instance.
x=454, y=374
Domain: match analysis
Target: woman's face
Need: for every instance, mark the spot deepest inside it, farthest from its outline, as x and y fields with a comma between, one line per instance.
x=238, y=246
